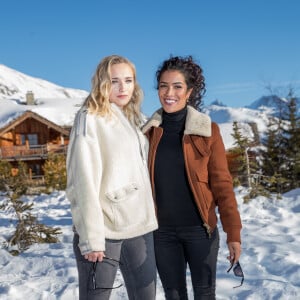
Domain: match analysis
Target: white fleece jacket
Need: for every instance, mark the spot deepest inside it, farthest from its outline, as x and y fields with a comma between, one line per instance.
x=108, y=180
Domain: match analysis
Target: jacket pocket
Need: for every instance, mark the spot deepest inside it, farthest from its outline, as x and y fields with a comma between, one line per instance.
x=202, y=176
x=125, y=207
x=121, y=193
x=203, y=188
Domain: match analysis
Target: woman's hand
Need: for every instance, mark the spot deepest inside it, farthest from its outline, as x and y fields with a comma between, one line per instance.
x=234, y=252
x=94, y=256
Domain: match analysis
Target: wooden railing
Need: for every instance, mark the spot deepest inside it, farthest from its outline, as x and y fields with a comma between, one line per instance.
x=29, y=153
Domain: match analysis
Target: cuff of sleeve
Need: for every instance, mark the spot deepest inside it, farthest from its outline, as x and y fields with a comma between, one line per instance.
x=90, y=246
x=234, y=236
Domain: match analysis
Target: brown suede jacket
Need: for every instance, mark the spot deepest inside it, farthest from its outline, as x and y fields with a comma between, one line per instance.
x=206, y=168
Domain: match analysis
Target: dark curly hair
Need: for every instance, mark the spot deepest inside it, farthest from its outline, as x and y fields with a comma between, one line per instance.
x=192, y=73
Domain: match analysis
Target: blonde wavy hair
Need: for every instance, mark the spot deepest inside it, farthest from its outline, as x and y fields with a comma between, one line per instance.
x=97, y=101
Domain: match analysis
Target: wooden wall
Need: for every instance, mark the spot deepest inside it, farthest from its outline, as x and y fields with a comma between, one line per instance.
x=31, y=126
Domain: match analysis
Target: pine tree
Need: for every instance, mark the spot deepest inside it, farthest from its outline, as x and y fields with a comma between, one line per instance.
x=240, y=152
x=27, y=228
x=280, y=163
x=55, y=171
x=246, y=158
x=15, y=184
x=273, y=156
x=291, y=144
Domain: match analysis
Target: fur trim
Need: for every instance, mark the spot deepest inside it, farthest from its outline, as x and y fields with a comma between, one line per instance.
x=196, y=123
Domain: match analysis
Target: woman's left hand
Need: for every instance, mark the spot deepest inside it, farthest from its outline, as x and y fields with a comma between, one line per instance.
x=94, y=256
x=234, y=251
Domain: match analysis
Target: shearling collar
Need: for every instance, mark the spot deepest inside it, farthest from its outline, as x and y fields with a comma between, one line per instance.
x=196, y=123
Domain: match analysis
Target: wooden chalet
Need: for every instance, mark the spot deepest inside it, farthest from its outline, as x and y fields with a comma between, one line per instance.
x=30, y=138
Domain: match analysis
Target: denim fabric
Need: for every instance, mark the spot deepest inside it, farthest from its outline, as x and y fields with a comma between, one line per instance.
x=175, y=247
x=137, y=265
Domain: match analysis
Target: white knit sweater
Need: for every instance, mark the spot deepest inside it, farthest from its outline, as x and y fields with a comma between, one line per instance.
x=108, y=181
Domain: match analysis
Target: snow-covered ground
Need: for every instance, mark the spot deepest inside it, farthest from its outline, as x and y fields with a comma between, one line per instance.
x=271, y=228
x=270, y=258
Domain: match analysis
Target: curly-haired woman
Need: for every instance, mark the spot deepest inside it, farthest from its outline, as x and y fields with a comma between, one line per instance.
x=190, y=178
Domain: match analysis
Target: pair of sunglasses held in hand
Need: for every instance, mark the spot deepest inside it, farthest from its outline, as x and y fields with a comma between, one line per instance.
x=237, y=271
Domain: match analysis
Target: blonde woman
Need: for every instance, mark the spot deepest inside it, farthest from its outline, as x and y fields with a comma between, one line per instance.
x=109, y=187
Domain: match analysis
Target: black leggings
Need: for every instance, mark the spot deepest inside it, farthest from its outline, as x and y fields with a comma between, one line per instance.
x=177, y=246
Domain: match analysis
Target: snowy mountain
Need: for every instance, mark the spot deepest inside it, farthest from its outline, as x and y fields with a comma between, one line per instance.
x=247, y=119
x=273, y=105
x=59, y=105
x=15, y=85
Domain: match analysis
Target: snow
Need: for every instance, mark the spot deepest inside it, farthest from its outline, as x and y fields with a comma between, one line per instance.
x=270, y=236
x=59, y=111
x=270, y=258
x=55, y=103
x=14, y=84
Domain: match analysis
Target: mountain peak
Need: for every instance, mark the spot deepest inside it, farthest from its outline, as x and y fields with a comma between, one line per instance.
x=218, y=102
x=15, y=85
x=273, y=105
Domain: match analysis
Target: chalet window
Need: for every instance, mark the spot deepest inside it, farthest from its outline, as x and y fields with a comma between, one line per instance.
x=23, y=139
x=32, y=139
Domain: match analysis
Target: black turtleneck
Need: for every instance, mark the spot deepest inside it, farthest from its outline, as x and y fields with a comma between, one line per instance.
x=174, y=199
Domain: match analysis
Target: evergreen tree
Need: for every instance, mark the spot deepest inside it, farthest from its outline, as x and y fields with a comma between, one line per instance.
x=55, y=171
x=15, y=184
x=280, y=159
x=247, y=167
x=240, y=152
x=273, y=156
x=291, y=144
x=28, y=229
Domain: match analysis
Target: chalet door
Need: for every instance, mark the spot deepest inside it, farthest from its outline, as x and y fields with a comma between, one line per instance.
x=35, y=169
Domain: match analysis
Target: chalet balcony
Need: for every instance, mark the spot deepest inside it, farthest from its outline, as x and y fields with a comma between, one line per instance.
x=33, y=152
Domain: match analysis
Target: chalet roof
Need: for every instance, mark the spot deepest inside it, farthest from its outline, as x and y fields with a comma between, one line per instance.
x=30, y=114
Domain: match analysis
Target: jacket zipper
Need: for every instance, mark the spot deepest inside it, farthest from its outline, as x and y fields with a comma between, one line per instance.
x=207, y=227
x=152, y=166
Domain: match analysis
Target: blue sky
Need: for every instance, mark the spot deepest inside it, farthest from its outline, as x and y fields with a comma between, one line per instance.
x=246, y=47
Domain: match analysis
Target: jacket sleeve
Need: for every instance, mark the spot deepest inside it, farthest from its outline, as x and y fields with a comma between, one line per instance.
x=84, y=172
x=222, y=188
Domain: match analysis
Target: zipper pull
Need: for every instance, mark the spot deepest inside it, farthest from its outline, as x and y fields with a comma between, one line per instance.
x=207, y=230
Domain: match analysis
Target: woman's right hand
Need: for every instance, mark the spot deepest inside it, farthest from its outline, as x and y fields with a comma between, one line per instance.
x=94, y=256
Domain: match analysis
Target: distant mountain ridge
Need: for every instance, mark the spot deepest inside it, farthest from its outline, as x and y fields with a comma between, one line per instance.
x=273, y=105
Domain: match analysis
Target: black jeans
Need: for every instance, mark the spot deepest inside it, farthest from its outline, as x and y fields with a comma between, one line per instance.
x=175, y=247
x=137, y=265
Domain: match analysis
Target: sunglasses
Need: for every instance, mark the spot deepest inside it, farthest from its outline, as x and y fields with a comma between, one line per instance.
x=237, y=271
x=94, y=272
